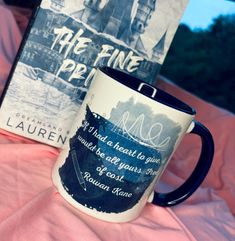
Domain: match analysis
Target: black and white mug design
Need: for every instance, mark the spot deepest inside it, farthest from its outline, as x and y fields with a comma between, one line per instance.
x=122, y=140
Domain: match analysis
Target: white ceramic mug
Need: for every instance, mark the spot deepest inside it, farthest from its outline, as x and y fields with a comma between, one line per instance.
x=123, y=137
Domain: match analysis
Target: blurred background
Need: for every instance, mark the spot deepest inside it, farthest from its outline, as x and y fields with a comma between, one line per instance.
x=201, y=58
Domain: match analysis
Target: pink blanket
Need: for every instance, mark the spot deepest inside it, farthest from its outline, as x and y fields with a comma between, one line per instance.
x=32, y=209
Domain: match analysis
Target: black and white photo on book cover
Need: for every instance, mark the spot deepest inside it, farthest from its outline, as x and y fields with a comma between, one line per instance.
x=66, y=43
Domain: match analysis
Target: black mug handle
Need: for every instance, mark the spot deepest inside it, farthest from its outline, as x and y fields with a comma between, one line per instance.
x=198, y=175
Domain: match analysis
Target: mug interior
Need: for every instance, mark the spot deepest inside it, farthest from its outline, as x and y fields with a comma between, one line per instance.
x=161, y=96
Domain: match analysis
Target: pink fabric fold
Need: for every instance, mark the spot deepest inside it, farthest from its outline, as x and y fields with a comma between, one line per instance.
x=32, y=209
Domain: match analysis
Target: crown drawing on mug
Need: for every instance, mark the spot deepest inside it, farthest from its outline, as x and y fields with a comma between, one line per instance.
x=135, y=130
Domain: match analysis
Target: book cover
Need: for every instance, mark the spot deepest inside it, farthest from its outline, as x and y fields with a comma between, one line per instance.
x=66, y=42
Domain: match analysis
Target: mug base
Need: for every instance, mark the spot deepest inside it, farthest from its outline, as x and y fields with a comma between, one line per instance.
x=122, y=217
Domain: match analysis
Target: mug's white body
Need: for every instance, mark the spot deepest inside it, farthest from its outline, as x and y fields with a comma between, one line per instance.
x=129, y=172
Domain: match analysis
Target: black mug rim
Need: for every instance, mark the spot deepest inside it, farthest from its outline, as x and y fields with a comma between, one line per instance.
x=134, y=83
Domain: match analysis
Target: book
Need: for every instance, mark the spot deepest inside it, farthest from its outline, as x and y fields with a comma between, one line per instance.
x=66, y=41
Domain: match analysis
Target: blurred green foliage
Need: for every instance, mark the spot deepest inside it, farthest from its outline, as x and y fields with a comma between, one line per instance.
x=203, y=61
